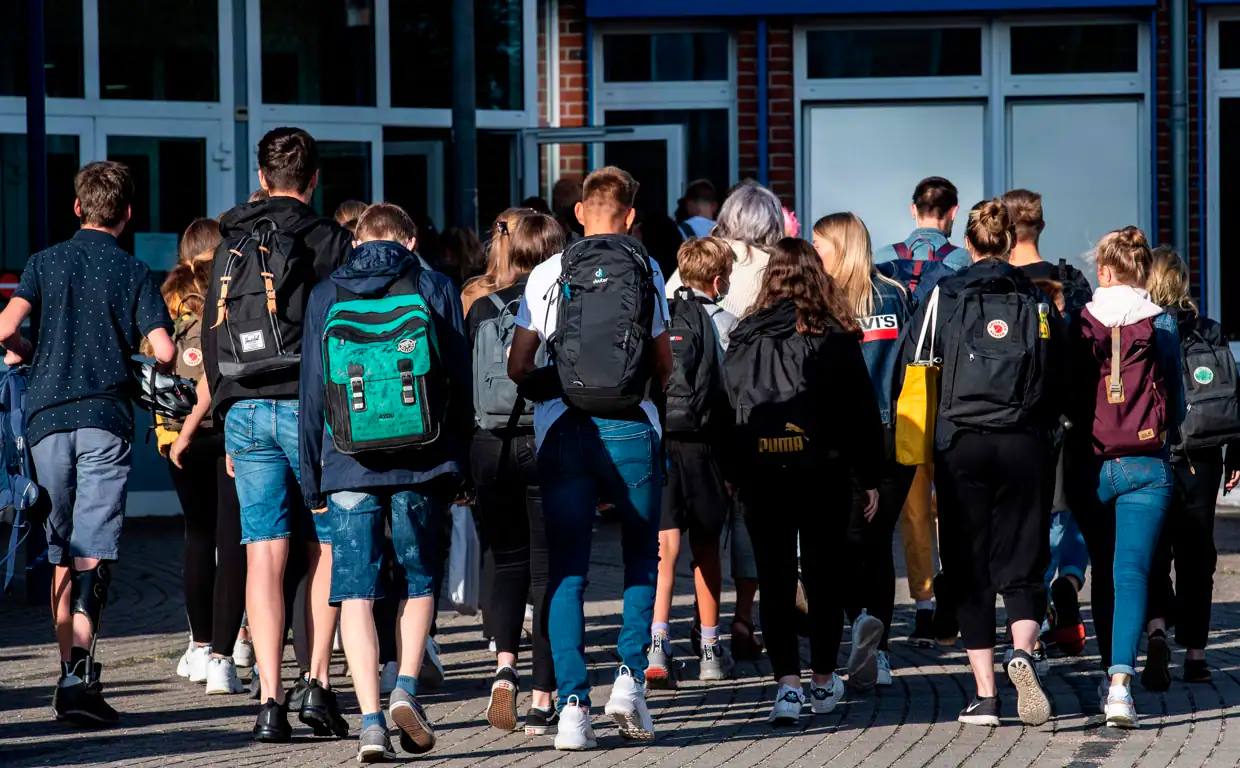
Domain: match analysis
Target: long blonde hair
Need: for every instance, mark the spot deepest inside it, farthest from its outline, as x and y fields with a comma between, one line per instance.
x=853, y=271
x=1168, y=281
x=500, y=272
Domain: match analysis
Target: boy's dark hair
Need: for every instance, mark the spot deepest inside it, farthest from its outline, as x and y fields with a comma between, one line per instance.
x=700, y=190
x=288, y=158
x=610, y=187
x=385, y=221
x=105, y=191
x=935, y=196
x=1025, y=210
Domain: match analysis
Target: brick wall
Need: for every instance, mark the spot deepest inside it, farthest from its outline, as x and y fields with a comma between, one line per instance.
x=570, y=31
x=781, y=149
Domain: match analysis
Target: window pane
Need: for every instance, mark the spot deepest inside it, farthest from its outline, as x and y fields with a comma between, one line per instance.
x=1070, y=48
x=425, y=26
x=1229, y=44
x=62, y=67
x=344, y=174
x=170, y=191
x=708, y=143
x=845, y=53
x=180, y=63
x=665, y=56
x=62, y=164
x=319, y=53
x=1229, y=197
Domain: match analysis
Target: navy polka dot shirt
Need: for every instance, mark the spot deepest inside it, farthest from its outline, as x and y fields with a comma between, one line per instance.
x=92, y=304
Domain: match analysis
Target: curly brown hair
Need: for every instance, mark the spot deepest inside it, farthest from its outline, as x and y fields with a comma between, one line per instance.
x=795, y=273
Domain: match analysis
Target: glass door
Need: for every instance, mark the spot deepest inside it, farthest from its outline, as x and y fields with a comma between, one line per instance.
x=413, y=179
x=350, y=162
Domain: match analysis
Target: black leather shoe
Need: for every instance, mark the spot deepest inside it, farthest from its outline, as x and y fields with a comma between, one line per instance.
x=321, y=713
x=272, y=726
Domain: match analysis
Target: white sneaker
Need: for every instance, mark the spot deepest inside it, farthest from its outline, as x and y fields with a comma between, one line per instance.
x=787, y=708
x=387, y=677
x=222, y=677
x=627, y=706
x=575, y=732
x=823, y=701
x=867, y=633
x=884, y=669
x=431, y=674
x=243, y=653
x=1119, y=708
x=193, y=663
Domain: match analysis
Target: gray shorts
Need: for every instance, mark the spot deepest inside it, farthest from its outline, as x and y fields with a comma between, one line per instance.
x=83, y=473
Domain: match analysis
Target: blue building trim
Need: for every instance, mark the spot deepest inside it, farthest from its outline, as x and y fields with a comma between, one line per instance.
x=1153, y=128
x=633, y=9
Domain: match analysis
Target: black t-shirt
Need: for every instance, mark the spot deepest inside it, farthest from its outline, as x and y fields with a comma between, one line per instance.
x=484, y=309
x=1076, y=288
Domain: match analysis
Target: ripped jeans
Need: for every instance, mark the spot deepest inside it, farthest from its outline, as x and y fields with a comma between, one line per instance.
x=359, y=541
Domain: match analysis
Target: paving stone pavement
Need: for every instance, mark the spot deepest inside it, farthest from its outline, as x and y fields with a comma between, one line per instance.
x=168, y=721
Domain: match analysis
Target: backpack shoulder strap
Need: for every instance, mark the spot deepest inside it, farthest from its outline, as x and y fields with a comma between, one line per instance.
x=945, y=250
x=1115, y=387
x=902, y=250
x=686, y=231
x=497, y=302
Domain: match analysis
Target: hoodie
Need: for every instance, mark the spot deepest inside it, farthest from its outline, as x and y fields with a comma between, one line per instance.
x=321, y=246
x=369, y=272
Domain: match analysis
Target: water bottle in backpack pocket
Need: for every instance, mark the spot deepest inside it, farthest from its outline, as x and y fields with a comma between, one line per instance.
x=382, y=370
x=1210, y=378
x=1130, y=400
x=695, y=363
x=495, y=395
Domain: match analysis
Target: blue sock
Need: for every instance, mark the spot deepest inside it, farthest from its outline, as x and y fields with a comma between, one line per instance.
x=408, y=684
x=374, y=718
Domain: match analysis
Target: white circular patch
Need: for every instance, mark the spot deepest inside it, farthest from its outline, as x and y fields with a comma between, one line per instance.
x=192, y=357
x=997, y=329
x=1203, y=375
x=406, y=345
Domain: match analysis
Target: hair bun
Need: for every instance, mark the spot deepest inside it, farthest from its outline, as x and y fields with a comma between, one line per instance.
x=990, y=229
x=1131, y=237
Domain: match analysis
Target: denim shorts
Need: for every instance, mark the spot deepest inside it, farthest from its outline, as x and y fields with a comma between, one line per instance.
x=359, y=542
x=84, y=473
x=261, y=437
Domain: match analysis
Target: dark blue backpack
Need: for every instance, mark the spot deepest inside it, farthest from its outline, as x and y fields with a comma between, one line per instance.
x=918, y=276
x=18, y=492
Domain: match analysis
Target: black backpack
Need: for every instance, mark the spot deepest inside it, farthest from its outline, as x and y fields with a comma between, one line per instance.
x=994, y=356
x=1210, y=376
x=255, y=332
x=695, y=362
x=605, y=316
x=1077, y=292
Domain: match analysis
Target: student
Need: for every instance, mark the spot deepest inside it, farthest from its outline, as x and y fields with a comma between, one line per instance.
x=363, y=490
x=348, y=212
x=498, y=264
x=584, y=457
x=1065, y=576
x=1000, y=341
x=700, y=205
x=913, y=263
x=806, y=418
x=90, y=305
x=1197, y=462
x=881, y=306
x=214, y=578
x=695, y=498
x=505, y=474
x=199, y=241
x=259, y=413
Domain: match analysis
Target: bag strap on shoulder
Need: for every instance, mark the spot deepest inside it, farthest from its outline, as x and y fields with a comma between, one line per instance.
x=902, y=250
x=1115, y=387
x=929, y=322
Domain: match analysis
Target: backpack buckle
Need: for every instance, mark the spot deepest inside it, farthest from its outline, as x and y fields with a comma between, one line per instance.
x=408, y=395
x=357, y=388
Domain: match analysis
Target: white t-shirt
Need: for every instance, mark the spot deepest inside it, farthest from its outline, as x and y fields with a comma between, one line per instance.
x=538, y=313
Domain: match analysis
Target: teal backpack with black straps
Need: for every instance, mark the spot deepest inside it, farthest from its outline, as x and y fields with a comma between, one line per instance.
x=382, y=370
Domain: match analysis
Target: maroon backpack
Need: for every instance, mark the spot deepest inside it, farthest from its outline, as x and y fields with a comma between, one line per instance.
x=1130, y=400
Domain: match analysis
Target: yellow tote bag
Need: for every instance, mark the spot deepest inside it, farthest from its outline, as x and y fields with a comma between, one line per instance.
x=917, y=407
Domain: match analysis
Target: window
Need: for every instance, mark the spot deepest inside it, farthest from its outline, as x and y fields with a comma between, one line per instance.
x=421, y=38
x=62, y=164
x=1074, y=48
x=1228, y=198
x=170, y=191
x=665, y=57
x=62, y=48
x=180, y=63
x=707, y=135
x=1229, y=44
x=320, y=53
x=854, y=53
x=344, y=174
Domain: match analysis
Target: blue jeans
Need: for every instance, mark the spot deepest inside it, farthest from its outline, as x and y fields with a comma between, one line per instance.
x=262, y=439
x=84, y=473
x=1138, y=489
x=358, y=543
x=582, y=462
x=1069, y=556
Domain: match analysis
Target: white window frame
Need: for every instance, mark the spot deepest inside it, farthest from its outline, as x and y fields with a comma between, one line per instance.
x=1219, y=84
x=679, y=95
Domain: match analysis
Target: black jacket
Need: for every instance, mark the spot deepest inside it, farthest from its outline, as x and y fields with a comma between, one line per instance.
x=322, y=245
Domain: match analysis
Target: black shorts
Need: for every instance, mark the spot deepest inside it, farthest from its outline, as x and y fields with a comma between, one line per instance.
x=694, y=498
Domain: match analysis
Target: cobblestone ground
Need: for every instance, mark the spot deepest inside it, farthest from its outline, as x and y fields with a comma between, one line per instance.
x=169, y=721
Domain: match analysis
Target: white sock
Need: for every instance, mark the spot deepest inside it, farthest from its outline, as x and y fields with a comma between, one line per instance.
x=925, y=605
x=710, y=635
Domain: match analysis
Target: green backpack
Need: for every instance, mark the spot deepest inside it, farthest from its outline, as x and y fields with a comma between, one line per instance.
x=382, y=370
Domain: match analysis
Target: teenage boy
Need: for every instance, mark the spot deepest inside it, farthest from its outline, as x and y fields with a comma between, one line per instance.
x=695, y=497
x=259, y=414
x=585, y=459
x=701, y=206
x=90, y=305
x=408, y=488
x=934, y=207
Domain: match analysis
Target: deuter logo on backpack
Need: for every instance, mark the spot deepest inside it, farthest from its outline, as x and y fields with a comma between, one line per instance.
x=604, y=318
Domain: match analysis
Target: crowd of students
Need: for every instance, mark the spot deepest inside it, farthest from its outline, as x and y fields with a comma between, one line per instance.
x=795, y=398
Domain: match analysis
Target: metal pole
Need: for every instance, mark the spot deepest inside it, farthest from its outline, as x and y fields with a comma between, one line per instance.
x=1179, y=125
x=36, y=126
x=464, y=116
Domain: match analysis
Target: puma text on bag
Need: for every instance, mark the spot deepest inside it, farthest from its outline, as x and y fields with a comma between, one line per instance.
x=918, y=403
x=1130, y=405
x=695, y=363
x=1213, y=416
x=495, y=395
x=382, y=369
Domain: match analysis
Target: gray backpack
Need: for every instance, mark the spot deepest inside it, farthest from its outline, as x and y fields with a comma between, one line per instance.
x=495, y=395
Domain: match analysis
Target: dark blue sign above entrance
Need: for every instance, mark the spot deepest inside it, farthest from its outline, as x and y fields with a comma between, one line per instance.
x=638, y=9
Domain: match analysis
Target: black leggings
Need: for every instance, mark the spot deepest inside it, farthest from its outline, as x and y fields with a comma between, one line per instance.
x=779, y=506
x=511, y=518
x=1188, y=536
x=868, y=548
x=214, y=558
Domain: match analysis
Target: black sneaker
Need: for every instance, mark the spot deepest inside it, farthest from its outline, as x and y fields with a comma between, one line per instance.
x=1157, y=673
x=82, y=703
x=272, y=726
x=923, y=628
x=981, y=711
x=946, y=628
x=1067, y=630
x=539, y=721
x=1196, y=671
x=502, y=709
x=294, y=698
x=320, y=711
x=1032, y=704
